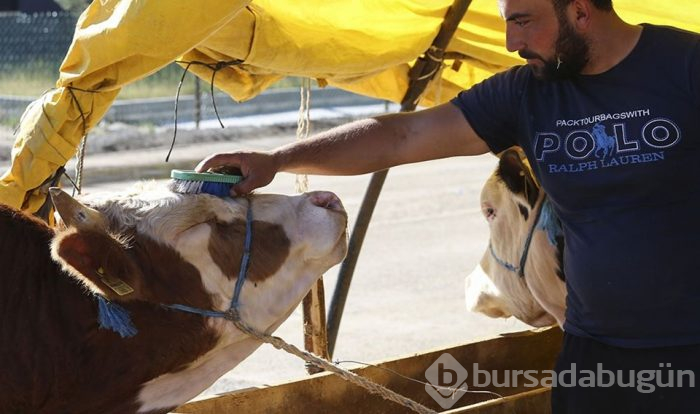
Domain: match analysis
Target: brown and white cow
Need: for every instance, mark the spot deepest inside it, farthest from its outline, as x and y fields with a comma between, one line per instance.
x=510, y=201
x=170, y=249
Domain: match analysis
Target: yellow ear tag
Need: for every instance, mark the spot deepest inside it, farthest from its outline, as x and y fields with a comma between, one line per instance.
x=119, y=287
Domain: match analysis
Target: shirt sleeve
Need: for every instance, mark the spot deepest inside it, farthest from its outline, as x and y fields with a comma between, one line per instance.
x=492, y=107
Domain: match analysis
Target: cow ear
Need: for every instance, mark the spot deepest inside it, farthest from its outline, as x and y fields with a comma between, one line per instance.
x=517, y=176
x=75, y=214
x=100, y=262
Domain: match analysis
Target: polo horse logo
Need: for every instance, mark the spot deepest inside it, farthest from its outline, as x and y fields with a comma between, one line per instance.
x=603, y=141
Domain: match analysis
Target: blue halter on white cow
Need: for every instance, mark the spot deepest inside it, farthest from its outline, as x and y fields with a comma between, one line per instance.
x=545, y=219
x=114, y=317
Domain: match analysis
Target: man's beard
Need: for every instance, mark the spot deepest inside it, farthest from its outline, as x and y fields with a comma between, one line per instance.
x=571, y=54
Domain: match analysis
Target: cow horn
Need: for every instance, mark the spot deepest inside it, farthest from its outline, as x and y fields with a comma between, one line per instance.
x=75, y=214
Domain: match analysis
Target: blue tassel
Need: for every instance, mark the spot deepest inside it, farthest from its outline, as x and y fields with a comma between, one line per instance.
x=116, y=318
x=550, y=223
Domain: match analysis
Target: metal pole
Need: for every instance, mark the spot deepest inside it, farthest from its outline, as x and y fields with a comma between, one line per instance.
x=421, y=74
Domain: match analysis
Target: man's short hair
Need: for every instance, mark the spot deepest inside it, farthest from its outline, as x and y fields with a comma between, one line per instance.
x=606, y=5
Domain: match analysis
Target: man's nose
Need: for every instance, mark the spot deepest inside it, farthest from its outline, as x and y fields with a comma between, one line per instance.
x=514, y=42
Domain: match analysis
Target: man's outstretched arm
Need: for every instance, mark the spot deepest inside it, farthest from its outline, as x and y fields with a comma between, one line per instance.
x=360, y=147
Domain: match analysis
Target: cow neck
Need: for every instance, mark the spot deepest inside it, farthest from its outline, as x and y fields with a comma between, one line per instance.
x=520, y=268
x=242, y=275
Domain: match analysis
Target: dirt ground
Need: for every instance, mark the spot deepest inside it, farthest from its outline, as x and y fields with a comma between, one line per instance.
x=407, y=295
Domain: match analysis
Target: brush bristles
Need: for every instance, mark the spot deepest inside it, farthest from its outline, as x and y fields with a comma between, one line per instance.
x=185, y=187
x=199, y=187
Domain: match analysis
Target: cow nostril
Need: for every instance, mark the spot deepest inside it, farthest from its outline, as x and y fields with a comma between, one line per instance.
x=326, y=199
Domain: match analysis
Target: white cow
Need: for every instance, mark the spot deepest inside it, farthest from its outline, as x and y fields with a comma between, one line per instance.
x=501, y=286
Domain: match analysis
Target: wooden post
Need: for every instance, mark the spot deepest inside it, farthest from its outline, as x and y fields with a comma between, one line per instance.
x=315, y=332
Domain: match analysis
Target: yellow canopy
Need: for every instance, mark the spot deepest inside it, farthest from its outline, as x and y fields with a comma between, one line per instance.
x=364, y=46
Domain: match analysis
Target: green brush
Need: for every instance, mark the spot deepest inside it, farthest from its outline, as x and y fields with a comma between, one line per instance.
x=192, y=182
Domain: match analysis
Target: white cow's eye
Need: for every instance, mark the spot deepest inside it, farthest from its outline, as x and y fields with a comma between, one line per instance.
x=489, y=213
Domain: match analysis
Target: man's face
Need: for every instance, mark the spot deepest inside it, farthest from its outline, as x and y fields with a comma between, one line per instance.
x=549, y=42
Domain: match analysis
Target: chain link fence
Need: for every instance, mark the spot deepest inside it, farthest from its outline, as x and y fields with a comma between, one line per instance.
x=32, y=47
x=34, y=44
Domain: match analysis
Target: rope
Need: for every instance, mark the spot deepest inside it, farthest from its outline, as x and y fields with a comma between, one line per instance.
x=429, y=74
x=374, y=388
x=435, y=54
x=398, y=374
x=520, y=268
x=301, y=183
x=78, y=183
x=215, y=67
x=79, y=166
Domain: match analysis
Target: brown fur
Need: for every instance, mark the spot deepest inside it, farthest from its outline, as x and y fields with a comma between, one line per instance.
x=55, y=358
x=267, y=254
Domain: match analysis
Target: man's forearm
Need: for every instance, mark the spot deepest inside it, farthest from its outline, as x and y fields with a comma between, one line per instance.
x=356, y=148
x=386, y=141
x=359, y=147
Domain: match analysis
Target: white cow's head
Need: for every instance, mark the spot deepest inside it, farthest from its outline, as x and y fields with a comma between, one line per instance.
x=509, y=200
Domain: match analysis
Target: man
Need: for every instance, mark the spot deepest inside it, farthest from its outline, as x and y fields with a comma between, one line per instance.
x=608, y=114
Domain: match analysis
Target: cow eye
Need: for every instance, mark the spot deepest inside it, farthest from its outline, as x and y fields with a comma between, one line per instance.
x=489, y=213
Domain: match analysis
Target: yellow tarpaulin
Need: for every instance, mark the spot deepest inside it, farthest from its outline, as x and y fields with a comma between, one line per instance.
x=363, y=46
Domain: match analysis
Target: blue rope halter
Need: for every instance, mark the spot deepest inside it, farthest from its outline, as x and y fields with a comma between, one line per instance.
x=242, y=274
x=114, y=317
x=545, y=219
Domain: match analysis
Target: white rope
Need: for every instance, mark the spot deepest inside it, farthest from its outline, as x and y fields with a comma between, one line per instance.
x=303, y=123
x=79, y=165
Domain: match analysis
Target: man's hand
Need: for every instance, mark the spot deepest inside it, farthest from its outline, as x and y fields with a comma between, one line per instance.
x=258, y=168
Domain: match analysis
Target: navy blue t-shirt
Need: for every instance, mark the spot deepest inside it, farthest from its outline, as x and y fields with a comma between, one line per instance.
x=619, y=155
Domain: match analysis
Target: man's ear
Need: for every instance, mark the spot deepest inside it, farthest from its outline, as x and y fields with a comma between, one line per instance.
x=100, y=262
x=579, y=13
x=517, y=176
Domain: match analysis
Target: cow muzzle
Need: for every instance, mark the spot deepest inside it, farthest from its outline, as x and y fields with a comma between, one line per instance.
x=483, y=296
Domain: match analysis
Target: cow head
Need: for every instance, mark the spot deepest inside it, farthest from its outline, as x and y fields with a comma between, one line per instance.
x=165, y=248
x=509, y=201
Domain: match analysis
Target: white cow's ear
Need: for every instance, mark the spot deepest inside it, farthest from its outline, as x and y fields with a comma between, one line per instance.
x=99, y=261
x=517, y=176
x=75, y=214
